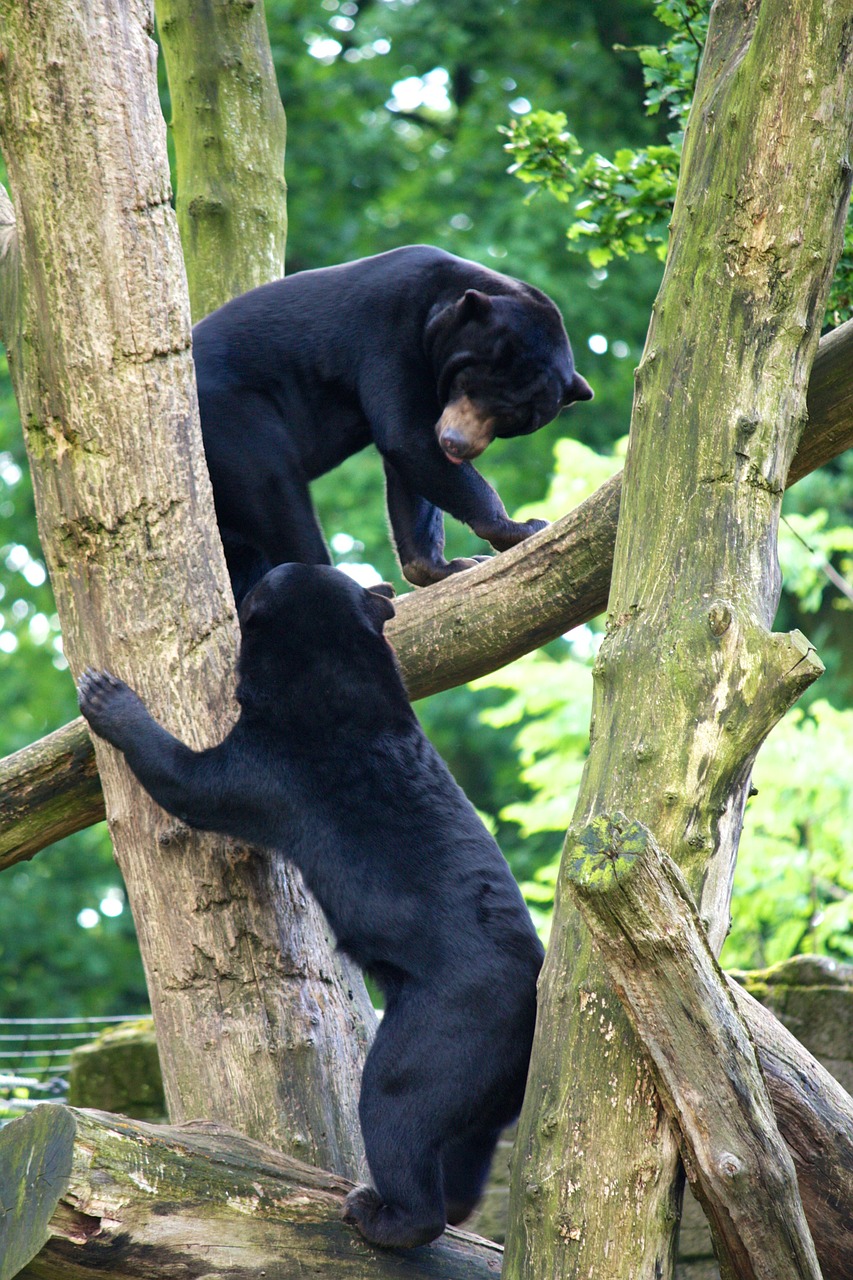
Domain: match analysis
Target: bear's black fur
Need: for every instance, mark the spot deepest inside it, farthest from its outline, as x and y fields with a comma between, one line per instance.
x=424, y=354
x=328, y=765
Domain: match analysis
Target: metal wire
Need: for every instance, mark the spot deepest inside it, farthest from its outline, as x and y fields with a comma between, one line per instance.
x=40, y=1073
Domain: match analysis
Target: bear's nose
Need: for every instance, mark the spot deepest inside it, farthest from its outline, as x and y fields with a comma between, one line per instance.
x=454, y=444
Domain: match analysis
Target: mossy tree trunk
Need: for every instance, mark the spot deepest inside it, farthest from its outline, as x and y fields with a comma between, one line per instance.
x=690, y=678
x=229, y=130
x=258, y=1025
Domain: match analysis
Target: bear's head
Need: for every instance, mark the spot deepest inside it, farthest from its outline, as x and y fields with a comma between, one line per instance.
x=507, y=370
x=312, y=628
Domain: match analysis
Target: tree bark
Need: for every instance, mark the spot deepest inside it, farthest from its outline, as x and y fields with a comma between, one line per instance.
x=455, y=631
x=119, y=1198
x=229, y=130
x=690, y=678
x=644, y=923
x=232, y=945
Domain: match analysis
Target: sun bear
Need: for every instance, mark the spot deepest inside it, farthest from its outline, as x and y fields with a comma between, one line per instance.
x=327, y=766
x=424, y=354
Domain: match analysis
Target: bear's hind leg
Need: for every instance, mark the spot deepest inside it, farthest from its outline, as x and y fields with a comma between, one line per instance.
x=410, y=1213
x=404, y=1125
x=465, y=1162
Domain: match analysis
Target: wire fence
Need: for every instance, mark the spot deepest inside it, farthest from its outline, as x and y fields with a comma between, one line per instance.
x=35, y=1058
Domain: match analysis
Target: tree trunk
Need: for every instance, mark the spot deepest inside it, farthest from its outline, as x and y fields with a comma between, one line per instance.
x=453, y=632
x=236, y=953
x=229, y=130
x=690, y=678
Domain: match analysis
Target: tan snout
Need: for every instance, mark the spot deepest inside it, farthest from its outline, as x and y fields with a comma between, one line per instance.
x=464, y=430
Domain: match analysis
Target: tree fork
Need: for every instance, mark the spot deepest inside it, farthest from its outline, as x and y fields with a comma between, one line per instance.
x=455, y=631
x=234, y=949
x=689, y=677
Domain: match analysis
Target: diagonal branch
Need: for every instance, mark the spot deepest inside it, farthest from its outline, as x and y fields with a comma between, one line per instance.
x=460, y=629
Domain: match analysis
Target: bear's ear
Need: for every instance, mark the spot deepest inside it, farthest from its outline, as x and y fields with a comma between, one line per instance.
x=474, y=305
x=252, y=611
x=379, y=603
x=578, y=389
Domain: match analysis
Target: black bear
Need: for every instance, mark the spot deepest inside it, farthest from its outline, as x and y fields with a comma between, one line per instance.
x=328, y=764
x=424, y=354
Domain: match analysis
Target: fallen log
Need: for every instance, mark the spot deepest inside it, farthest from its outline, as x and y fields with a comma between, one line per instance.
x=85, y=1191
x=93, y=1192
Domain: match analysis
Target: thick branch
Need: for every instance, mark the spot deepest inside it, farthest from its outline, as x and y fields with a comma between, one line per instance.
x=122, y=1198
x=463, y=628
x=815, y=1117
x=49, y=790
x=644, y=922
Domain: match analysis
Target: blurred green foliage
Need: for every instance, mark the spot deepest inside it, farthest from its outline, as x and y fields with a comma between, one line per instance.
x=621, y=206
x=395, y=110
x=793, y=889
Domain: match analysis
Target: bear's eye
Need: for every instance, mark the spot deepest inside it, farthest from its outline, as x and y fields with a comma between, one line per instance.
x=505, y=351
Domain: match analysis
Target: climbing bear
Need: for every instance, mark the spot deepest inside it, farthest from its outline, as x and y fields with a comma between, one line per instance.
x=328, y=766
x=424, y=354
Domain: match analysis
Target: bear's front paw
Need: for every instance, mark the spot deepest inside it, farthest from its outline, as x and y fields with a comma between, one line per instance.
x=513, y=532
x=422, y=573
x=108, y=704
x=533, y=526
